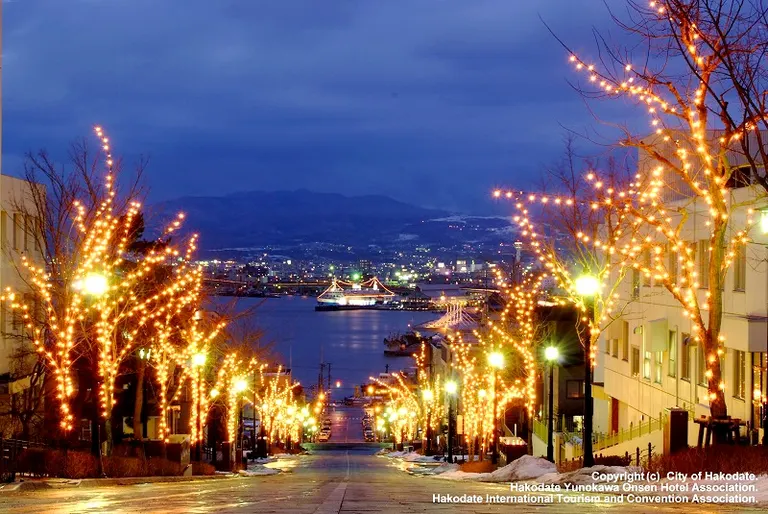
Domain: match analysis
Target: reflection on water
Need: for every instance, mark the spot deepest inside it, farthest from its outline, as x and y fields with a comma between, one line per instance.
x=352, y=341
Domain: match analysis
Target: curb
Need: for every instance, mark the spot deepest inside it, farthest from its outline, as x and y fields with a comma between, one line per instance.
x=43, y=484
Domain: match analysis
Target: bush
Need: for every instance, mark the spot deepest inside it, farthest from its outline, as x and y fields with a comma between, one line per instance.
x=121, y=467
x=32, y=461
x=163, y=468
x=57, y=463
x=203, y=468
x=76, y=465
x=718, y=458
x=613, y=460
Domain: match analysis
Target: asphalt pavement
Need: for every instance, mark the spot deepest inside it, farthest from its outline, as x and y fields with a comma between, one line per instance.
x=349, y=481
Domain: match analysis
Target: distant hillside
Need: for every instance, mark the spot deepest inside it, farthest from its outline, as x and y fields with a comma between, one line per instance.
x=257, y=218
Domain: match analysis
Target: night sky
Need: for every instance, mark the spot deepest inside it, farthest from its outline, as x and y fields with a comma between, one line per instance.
x=433, y=102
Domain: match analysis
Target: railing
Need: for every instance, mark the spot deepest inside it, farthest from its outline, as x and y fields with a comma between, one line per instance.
x=540, y=429
x=601, y=441
x=10, y=450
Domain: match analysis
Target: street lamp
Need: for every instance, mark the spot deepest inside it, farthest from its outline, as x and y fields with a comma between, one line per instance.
x=428, y=396
x=93, y=284
x=587, y=286
x=551, y=354
x=240, y=385
x=198, y=361
x=450, y=388
x=764, y=230
x=496, y=361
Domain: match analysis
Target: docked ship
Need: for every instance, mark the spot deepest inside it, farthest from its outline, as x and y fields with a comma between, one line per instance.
x=342, y=295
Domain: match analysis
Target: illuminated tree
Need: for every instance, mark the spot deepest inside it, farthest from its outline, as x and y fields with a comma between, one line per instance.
x=577, y=241
x=108, y=296
x=702, y=83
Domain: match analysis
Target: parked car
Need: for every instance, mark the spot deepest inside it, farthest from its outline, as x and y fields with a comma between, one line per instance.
x=369, y=437
x=324, y=436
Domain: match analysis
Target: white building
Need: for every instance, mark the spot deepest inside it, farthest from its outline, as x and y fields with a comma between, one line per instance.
x=18, y=236
x=647, y=360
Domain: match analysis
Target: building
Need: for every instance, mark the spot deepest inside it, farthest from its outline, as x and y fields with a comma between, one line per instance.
x=647, y=360
x=21, y=375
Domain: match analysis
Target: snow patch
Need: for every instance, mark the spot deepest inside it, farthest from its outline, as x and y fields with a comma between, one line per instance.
x=526, y=467
x=584, y=475
x=257, y=470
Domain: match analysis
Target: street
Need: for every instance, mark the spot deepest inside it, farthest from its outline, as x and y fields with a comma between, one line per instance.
x=349, y=481
x=347, y=424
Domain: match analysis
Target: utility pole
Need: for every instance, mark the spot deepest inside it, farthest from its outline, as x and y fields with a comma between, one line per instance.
x=329, y=376
x=320, y=378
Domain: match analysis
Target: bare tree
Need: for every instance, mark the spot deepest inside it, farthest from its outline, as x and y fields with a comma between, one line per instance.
x=701, y=79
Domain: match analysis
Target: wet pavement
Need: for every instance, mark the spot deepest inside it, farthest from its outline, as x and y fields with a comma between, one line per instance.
x=349, y=481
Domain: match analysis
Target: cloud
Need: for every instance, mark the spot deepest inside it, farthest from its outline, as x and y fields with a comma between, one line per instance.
x=434, y=102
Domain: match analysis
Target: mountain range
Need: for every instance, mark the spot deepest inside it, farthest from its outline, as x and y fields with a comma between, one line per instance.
x=258, y=218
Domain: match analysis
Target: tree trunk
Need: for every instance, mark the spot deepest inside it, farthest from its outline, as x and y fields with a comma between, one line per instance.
x=710, y=337
x=138, y=404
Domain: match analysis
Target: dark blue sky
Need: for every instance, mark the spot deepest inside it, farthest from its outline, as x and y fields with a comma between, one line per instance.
x=433, y=102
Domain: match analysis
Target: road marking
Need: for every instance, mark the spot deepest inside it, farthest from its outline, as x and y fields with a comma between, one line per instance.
x=332, y=503
x=347, y=477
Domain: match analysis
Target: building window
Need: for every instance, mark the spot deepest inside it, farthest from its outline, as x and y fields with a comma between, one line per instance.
x=574, y=389
x=27, y=230
x=739, y=374
x=758, y=391
x=672, y=352
x=646, y=280
x=16, y=231
x=625, y=348
x=704, y=263
x=672, y=265
x=657, y=367
x=702, y=364
x=38, y=234
x=3, y=230
x=635, y=361
x=740, y=268
x=647, y=365
x=635, y=283
x=85, y=429
x=685, y=361
x=615, y=348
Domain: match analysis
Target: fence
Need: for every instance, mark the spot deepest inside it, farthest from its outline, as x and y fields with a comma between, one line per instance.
x=10, y=450
x=640, y=458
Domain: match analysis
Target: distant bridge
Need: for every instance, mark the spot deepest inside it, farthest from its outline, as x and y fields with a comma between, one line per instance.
x=223, y=281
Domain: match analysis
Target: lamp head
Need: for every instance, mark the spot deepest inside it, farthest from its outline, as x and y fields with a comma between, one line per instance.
x=496, y=359
x=551, y=353
x=587, y=285
x=93, y=284
x=240, y=385
x=198, y=359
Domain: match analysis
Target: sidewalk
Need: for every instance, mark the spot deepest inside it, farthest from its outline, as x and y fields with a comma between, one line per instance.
x=37, y=484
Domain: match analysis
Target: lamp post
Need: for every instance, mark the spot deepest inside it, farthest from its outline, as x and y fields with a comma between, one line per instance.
x=95, y=285
x=764, y=230
x=587, y=287
x=551, y=355
x=496, y=361
x=239, y=385
x=198, y=361
x=450, y=388
x=428, y=396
